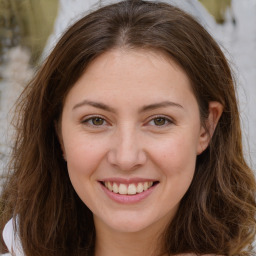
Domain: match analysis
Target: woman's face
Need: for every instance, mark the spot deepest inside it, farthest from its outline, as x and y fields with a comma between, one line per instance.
x=130, y=134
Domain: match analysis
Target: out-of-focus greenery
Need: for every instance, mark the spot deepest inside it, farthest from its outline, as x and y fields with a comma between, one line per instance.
x=217, y=8
x=27, y=23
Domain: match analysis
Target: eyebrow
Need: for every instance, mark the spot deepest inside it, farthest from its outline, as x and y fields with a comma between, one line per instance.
x=143, y=109
x=160, y=105
x=95, y=105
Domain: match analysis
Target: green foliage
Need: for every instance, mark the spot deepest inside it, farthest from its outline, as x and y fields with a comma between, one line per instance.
x=217, y=8
x=27, y=23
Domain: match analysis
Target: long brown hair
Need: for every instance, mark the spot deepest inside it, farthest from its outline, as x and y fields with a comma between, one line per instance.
x=216, y=215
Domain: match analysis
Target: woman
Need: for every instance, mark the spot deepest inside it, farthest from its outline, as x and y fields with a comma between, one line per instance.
x=129, y=143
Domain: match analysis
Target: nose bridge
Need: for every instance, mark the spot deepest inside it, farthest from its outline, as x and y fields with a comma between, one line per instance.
x=127, y=151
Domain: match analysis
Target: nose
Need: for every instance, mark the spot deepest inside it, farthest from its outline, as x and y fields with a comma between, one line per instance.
x=127, y=152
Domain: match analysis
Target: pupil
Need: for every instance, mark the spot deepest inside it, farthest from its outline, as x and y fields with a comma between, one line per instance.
x=159, y=121
x=97, y=121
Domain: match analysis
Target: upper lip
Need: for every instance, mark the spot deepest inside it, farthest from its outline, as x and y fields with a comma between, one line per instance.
x=127, y=181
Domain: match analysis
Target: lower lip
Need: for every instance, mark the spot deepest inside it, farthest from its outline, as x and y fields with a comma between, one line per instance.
x=128, y=199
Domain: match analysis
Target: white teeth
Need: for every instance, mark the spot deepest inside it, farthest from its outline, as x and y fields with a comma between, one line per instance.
x=115, y=188
x=122, y=189
x=145, y=186
x=109, y=186
x=130, y=189
x=140, y=188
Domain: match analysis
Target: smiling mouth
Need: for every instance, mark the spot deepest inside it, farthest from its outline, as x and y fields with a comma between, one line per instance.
x=128, y=189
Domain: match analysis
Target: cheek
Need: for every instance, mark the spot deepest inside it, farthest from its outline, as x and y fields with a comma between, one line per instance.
x=82, y=155
x=176, y=156
x=83, y=159
x=176, y=160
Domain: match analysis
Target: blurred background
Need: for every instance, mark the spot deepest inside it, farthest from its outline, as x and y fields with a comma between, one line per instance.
x=30, y=28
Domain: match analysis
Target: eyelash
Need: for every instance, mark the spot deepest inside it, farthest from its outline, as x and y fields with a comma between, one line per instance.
x=89, y=121
x=167, y=121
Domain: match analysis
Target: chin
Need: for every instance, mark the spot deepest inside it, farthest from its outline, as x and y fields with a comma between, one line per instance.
x=129, y=226
x=130, y=222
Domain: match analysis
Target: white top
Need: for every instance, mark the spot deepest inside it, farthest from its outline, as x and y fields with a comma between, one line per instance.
x=12, y=240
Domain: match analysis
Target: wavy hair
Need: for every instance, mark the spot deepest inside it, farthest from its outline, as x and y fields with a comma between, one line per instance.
x=216, y=215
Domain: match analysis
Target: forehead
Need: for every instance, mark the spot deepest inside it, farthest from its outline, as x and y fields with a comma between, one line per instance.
x=134, y=74
x=122, y=57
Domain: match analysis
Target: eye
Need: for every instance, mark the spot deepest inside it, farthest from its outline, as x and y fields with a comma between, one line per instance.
x=95, y=121
x=160, y=121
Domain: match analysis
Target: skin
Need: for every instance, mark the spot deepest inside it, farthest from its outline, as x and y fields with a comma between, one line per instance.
x=128, y=90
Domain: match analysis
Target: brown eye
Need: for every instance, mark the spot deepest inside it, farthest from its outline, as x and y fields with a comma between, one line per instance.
x=159, y=121
x=97, y=121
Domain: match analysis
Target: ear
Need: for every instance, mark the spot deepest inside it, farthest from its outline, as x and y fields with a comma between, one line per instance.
x=57, y=125
x=207, y=131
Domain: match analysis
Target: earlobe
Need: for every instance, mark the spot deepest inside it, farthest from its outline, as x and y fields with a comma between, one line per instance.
x=207, y=131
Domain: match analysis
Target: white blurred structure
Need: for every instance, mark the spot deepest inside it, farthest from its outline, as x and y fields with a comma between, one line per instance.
x=16, y=73
x=240, y=42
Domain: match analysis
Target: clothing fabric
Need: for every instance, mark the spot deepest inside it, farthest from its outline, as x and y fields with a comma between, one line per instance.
x=12, y=239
